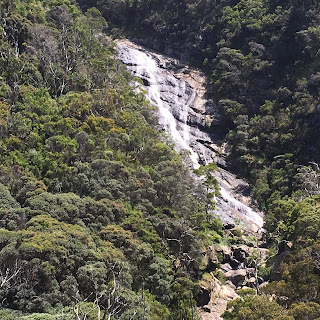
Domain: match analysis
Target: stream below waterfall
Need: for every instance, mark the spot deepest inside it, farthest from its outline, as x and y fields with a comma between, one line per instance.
x=178, y=93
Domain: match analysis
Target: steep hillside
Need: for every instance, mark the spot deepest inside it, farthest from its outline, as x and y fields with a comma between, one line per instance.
x=98, y=215
x=261, y=58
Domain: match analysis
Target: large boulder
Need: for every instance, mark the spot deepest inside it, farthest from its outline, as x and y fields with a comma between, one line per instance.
x=225, y=267
x=240, y=253
x=203, y=297
x=284, y=248
x=211, y=259
x=251, y=282
x=237, y=277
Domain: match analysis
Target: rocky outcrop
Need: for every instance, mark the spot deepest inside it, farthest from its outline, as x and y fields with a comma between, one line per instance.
x=284, y=249
x=237, y=277
x=211, y=259
x=220, y=293
x=240, y=253
x=239, y=271
x=236, y=264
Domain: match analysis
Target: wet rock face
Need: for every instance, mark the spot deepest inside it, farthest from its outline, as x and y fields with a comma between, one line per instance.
x=179, y=95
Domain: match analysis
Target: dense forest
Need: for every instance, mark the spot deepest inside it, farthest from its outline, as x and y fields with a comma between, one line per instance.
x=99, y=217
x=261, y=59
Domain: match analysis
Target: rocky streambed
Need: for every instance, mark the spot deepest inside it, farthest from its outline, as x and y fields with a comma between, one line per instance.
x=229, y=268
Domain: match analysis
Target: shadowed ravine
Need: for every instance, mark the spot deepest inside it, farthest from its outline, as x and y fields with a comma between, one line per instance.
x=178, y=94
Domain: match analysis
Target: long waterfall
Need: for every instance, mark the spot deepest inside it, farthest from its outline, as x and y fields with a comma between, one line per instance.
x=177, y=93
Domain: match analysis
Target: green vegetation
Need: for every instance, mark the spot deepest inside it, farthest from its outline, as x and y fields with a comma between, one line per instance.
x=210, y=184
x=261, y=59
x=98, y=215
x=97, y=212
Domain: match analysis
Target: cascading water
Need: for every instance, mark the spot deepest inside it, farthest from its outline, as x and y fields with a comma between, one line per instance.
x=181, y=113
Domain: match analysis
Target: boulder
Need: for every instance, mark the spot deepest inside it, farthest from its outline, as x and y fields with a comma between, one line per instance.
x=251, y=282
x=229, y=226
x=203, y=297
x=240, y=254
x=225, y=251
x=225, y=267
x=246, y=287
x=211, y=258
x=237, y=277
x=264, y=284
x=235, y=264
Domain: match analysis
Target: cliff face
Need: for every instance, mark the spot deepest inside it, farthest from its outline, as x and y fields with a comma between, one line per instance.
x=184, y=112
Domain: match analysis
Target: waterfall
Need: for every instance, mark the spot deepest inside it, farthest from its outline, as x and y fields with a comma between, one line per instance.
x=177, y=93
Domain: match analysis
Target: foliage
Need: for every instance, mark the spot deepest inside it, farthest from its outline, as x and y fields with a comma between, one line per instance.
x=91, y=196
x=211, y=185
x=97, y=211
x=261, y=60
x=255, y=308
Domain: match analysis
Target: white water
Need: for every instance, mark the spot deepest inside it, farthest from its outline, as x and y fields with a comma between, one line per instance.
x=163, y=90
x=180, y=116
